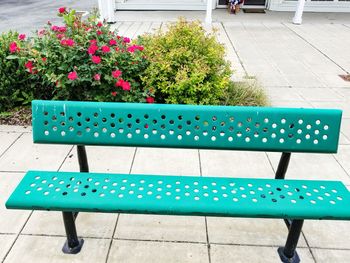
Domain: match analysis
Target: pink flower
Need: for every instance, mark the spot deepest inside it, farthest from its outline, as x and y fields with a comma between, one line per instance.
x=105, y=49
x=22, y=37
x=133, y=48
x=96, y=59
x=92, y=49
x=99, y=32
x=41, y=33
x=99, y=24
x=13, y=47
x=67, y=42
x=119, y=83
x=126, y=85
x=44, y=59
x=114, y=93
x=72, y=75
x=150, y=100
x=60, y=36
x=123, y=84
x=112, y=42
x=70, y=42
x=93, y=42
x=97, y=77
x=60, y=29
x=126, y=40
x=116, y=74
x=62, y=10
x=29, y=65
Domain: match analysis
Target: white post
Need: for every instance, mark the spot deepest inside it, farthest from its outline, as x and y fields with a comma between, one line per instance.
x=111, y=9
x=208, y=17
x=106, y=8
x=297, y=19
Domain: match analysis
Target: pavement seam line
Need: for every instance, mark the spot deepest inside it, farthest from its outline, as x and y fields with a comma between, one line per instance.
x=160, y=241
x=234, y=49
x=205, y=218
x=116, y=222
x=111, y=240
x=18, y=234
x=316, y=48
x=308, y=246
x=341, y=165
x=5, y=151
x=31, y=213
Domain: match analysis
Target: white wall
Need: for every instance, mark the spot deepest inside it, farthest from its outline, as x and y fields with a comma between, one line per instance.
x=310, y=6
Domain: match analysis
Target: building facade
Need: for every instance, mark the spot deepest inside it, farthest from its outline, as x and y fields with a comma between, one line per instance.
x=275, y=5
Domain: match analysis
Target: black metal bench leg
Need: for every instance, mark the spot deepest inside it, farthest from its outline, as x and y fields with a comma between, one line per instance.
x=288, y=253
x=73, y=244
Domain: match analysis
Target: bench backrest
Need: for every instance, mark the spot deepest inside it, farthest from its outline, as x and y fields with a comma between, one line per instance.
x=186, y=126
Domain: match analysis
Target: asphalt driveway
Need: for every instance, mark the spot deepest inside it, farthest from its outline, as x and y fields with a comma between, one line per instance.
x=29, y=15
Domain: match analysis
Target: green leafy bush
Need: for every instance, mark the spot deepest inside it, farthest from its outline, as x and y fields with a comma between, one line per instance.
x=187, y=65
x=15, y=86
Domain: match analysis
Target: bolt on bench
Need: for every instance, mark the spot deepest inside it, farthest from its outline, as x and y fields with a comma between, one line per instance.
x=184, y=126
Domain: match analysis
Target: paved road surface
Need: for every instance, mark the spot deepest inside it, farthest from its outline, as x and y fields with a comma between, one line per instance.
x=28, y=15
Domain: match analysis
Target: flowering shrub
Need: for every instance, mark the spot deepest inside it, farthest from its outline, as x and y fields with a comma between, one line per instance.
x=186, y=65
x=15, y=86
x=85, y=60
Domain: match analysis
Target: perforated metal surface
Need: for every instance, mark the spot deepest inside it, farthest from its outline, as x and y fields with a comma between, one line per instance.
x=181, y=195
x=186, y=126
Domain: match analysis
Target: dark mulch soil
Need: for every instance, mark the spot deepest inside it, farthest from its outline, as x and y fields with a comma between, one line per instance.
x=19, y=116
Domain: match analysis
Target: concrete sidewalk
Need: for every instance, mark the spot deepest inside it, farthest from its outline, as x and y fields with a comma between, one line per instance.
x=298, y=66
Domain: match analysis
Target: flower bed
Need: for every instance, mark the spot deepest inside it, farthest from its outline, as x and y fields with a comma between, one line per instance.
x=86, y=60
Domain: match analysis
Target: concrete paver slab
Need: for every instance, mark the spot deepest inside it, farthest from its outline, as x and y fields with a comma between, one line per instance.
x=345, y=127
x=327, y=234
x=291, y=104
x=343, y=157
x=11, y=221
x=102, y=159
x=312, y=167
x=169, y=228
x=319, y=94
x=95, y=225
x=331, y=255
x=6, y=242
x=43, y=249
x=7, y=139
x=256, y=254
x=248, y=231
x=14, y=128
x=157, y=252
x=283, y=94
x=235, y=164
x=166, y=161
x=25, y=155
x=345, y=106
x=343, y=139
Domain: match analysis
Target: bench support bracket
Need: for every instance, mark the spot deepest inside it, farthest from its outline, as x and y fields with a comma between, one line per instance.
x=73, y=244
x=288, y=253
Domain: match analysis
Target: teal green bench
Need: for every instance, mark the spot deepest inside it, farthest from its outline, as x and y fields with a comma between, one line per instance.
x=184, y=126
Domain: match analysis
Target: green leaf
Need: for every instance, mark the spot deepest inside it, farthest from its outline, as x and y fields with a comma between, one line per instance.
x=12, y=57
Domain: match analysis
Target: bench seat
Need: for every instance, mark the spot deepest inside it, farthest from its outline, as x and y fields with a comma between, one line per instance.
x=181, y=195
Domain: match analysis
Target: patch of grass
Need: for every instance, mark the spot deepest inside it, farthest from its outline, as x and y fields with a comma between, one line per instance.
x=245, y=93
